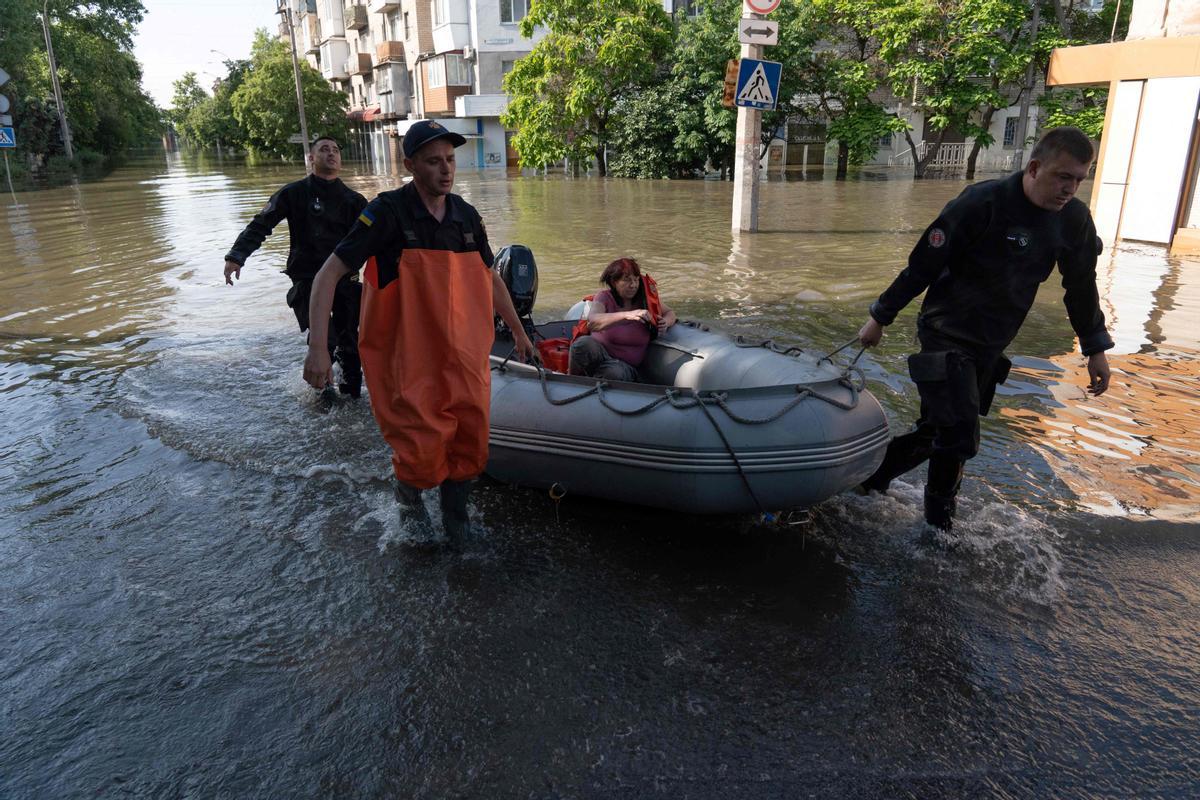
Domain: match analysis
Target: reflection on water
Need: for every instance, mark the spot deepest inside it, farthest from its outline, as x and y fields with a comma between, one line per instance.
x=208, y=594
x=100, y=268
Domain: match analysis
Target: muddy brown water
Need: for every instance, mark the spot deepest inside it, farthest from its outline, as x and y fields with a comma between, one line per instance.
x=204, y=593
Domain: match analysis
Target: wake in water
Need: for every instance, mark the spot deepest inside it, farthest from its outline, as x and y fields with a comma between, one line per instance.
x=994, y=546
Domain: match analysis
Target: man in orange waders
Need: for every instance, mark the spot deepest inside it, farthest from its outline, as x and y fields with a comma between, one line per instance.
x=428, y=299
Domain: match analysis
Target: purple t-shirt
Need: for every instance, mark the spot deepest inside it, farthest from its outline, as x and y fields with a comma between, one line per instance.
x=628, y=339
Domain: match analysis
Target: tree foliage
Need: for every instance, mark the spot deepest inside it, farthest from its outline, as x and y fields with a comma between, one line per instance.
x=107, y=110
x=205, y=120
x=264, y=104
x=844, y=77
x=565, y=91
x=944, y=55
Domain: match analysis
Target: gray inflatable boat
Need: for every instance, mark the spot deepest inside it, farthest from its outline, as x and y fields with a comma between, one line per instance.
x=721, y=425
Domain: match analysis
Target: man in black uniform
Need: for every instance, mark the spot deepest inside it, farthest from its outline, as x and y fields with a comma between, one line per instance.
x=427, y=327
x=320, y=210
x=980, y=264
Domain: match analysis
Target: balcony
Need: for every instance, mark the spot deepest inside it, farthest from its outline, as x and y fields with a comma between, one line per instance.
x=392, y=105
x=359, y=64
x=389, y=53
x=334, y=55
x=451, y=36
x=383, y=6
x=480, y=105
x=309, y=34
x=354, y=17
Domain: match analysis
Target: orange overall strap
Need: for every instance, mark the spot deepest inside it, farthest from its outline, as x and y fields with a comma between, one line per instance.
x=424, y=340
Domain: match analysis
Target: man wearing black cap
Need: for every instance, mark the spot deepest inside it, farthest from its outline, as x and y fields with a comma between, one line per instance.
x=428, y=301
x=320, y=210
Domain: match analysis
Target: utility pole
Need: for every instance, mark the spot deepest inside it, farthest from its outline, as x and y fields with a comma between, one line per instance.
x=286, y=11
x=753, y=32
x=62, y=111
x=745, y=157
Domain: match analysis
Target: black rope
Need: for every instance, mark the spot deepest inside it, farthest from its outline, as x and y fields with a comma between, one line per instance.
x=733, y=454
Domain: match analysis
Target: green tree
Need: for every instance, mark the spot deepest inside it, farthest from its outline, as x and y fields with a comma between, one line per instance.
x=107, y=109
x=565, y=91
x=645, y=133
x=264, y=105
x=845, y=75
x=941, y=53
x=188, y=97
x=705, y=129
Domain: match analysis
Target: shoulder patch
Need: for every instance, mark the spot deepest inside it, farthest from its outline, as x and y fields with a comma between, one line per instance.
x=937, y=237
x=366, y=217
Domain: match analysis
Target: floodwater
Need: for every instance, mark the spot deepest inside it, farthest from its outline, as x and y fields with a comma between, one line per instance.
x=204, y=591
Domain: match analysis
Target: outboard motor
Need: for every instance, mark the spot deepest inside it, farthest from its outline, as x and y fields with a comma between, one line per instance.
x=516, y=267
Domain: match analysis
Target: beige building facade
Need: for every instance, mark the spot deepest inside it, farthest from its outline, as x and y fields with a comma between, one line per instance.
x=399, y=61
x=1147, y=184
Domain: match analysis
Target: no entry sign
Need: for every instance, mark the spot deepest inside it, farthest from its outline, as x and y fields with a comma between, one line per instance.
x=761, y=6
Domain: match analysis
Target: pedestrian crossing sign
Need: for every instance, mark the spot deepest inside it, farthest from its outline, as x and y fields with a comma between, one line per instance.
x=758, y=83
x=7, y=138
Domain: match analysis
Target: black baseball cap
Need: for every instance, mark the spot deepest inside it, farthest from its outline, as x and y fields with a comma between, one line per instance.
x=425, y=131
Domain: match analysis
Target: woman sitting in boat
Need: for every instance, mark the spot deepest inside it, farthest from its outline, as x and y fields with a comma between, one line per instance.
x=622, y=321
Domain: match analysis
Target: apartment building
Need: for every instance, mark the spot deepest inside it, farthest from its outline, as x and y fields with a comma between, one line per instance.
x=399, y=61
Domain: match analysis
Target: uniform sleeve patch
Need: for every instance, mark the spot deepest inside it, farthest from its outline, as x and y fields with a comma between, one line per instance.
x=366, y=217
x=937, y=237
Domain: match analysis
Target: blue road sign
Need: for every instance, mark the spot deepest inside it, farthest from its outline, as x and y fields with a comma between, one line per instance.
x=7, y=138
x=758, y=83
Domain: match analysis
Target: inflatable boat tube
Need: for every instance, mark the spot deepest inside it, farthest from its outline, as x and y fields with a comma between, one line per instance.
x=721, y=425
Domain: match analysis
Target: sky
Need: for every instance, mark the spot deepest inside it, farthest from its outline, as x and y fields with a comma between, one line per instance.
x=179, y=35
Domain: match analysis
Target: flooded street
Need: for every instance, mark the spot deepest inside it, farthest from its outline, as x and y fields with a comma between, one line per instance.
x=204, y=591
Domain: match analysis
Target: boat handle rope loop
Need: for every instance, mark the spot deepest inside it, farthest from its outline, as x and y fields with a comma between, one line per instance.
x=703, y=400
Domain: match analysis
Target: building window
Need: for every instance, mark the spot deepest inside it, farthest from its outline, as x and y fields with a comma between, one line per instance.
x=507, y=67
x=407, y=33
x=448, y=70
x=1010, y=132
x=513, y=10
x=440, y=11
x=885, y=140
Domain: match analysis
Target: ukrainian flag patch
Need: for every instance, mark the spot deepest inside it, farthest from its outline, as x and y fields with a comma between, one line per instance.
x=365, y=218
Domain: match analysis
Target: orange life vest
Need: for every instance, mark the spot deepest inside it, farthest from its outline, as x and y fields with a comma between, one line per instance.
x=424, y=339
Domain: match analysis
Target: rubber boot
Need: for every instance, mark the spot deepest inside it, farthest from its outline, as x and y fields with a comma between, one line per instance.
x=941, y=490
x=414, y=518
x=939, y=510
x=903, y=454
x=455, y=517
x=351, y=383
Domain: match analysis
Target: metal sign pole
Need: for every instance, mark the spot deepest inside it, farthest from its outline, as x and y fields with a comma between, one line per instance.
x=9, y=176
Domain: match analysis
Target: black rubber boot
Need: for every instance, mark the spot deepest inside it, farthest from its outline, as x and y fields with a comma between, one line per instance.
x=903, y=454
x=352, y=378
x=414, y=517
x=941, y=489
x=455, y=516
x=939, y=510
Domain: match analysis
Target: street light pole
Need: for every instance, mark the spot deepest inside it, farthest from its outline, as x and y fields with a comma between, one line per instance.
x=62, y=112
x=286, y=11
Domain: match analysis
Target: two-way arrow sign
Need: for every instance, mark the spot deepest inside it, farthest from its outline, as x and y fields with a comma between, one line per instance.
x=758, y=31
